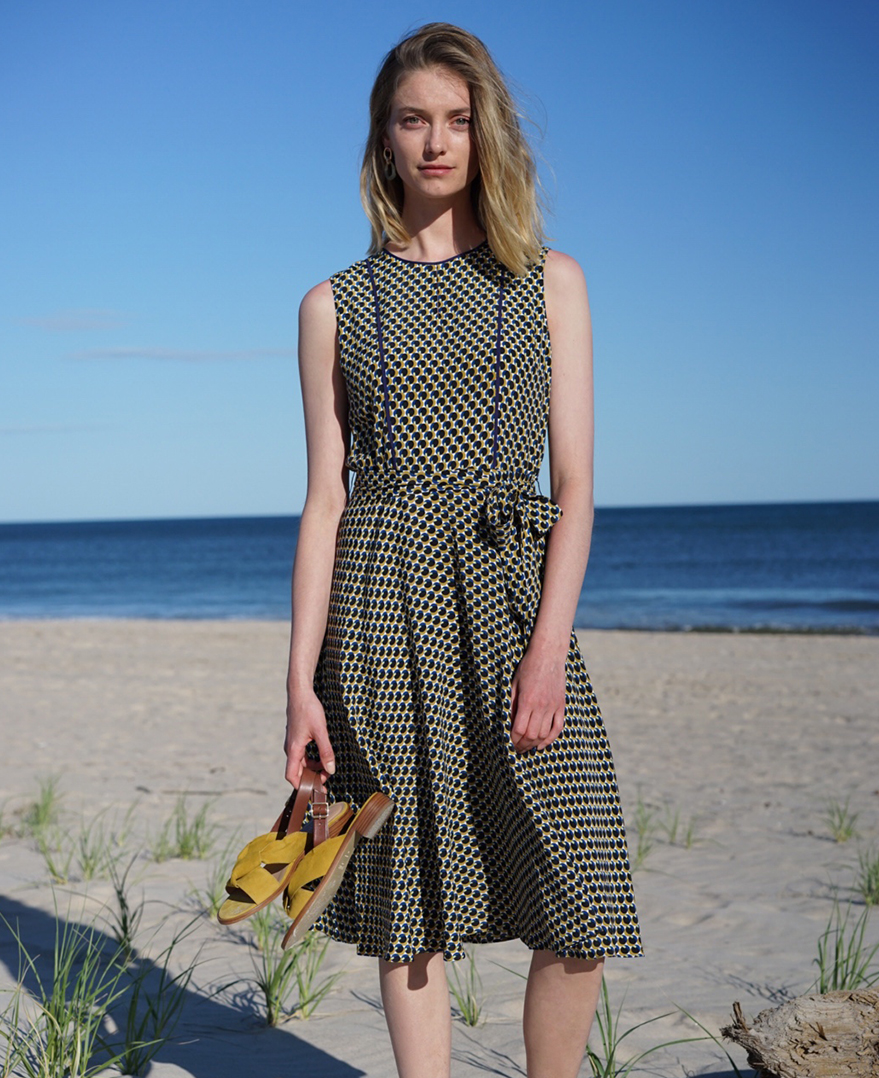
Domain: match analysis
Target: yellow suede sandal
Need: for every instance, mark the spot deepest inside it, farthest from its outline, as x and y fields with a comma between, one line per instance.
x=266, y=864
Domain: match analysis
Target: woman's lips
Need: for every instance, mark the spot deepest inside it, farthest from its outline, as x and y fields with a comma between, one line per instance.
x=438, y=170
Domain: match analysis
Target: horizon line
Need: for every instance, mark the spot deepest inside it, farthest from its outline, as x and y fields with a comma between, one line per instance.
x=290, y=515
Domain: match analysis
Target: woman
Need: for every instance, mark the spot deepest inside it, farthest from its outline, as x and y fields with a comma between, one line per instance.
x=432, y=651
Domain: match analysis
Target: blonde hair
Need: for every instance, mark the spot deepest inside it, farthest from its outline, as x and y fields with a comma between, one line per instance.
x=504, y=192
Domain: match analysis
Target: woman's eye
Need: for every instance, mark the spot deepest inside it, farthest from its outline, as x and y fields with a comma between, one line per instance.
x=462, y=121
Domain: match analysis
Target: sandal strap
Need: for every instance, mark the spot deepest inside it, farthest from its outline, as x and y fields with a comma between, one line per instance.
x=314, y=865
x=258, y=883
x=311, y=788
x=266, y=849
x=320, y=811
x=294, y=904
x=293, y=816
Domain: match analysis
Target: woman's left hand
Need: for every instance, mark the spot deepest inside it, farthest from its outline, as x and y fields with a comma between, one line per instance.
x=538, y=699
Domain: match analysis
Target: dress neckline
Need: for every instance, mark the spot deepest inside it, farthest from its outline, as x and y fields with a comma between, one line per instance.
x=439, y=262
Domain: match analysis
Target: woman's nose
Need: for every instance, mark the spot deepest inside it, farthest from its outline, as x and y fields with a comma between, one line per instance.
x=436, y=142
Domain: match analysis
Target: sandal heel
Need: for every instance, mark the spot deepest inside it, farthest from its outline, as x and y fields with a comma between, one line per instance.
x=373, y=815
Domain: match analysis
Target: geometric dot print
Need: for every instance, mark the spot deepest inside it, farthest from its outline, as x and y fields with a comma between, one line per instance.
x=437, y=578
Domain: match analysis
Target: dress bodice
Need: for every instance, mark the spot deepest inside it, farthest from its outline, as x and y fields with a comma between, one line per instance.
x=447, y=364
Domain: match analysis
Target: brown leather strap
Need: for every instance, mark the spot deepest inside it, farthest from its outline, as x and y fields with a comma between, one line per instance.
x=293, y=816
x=319, y=812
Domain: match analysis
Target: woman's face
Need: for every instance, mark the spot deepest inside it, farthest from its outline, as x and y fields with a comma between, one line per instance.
x=429, y=133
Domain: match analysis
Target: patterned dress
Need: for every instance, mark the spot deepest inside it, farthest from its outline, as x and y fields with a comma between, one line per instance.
x=435, y=590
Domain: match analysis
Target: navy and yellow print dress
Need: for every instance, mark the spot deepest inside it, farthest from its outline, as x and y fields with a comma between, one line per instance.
x=435, y=590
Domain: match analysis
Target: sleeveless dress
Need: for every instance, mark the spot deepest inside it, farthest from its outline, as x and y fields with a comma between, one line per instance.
x=437, y=579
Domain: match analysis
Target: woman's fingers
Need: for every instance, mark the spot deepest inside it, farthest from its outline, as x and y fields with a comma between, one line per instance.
x=325, y=750
x=528, y=729
x=295, y=764
x=555, y=728
x=535, y=729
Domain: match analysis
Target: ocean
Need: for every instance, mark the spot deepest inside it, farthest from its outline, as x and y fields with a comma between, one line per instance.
x=770, y=568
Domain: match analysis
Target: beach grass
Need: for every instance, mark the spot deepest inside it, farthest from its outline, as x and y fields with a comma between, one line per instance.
x=867, y=876
x=39, y=821
x=646, y=824
x=85, y=855
x=212, y=893
x=98, y=848
x=605, y=1060
x=61, y=1026
x=154, y=1006
x=125, y=918
x=59, y=1034
x=652, y=824
x=845, y=961
x=43, y=812
x=607, y=1030
x=678, y=830
x=185, y=835
x=6, y=827
x=840, y=819
x=466, y=989
x=290, y=981
x=57, y=853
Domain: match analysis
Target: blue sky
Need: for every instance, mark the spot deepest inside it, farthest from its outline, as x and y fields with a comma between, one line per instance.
x=174, y=174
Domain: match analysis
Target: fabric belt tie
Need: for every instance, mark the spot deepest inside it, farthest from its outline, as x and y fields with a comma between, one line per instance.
x=516, y=521
x=514, y=517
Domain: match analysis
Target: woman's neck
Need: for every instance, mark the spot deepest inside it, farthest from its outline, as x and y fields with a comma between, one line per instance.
x=438, y=234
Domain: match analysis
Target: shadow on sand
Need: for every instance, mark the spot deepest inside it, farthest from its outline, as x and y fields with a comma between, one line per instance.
x=213, y=1039
x=746, y=1072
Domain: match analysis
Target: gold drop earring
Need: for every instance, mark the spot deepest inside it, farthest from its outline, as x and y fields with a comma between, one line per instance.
x=390, y=168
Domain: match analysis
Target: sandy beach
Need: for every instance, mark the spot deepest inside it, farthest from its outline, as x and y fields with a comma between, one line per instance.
x=732, y=746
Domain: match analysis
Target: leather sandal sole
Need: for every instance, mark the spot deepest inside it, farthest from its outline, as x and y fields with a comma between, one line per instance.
x=366, y=824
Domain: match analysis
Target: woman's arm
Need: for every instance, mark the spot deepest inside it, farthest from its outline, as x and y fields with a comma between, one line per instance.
x=326, y=433
x=538, y=697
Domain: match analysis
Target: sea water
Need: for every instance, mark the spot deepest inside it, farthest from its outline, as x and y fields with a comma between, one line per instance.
x=801, y=567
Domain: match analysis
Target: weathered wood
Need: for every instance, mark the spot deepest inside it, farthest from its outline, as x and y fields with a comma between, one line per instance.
x=835, y=1035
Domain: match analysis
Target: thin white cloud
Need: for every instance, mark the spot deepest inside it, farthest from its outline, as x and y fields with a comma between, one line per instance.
x=50, y=428
x=75, y=321
x=184, y=355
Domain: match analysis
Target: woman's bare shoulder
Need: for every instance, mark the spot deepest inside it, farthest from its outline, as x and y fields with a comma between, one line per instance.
x=318, y=301
x=564, y=285
x=563, y=272
x=317, y=325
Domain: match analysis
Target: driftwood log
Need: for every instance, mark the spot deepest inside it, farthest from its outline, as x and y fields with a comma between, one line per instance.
x=835, y=1035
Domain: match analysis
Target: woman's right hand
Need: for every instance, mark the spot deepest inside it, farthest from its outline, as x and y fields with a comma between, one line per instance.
x=306, y=722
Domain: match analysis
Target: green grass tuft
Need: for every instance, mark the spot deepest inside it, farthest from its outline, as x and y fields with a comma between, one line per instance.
x=184, y=836
x=42, y=813
x=844, y=960
x=840, y=819
x=678, y=831
x=646, y=832
x=466, y=990
x=125, y=918
x=867, y=878
x=605, y=1062
x=154, y=1006
x=289, y=980
x=212, y=894
x=60, y=1035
